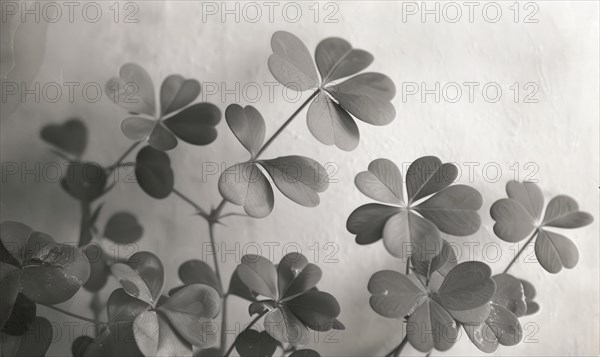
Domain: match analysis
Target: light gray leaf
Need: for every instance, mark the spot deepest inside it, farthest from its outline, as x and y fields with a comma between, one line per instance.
x=331, y=124
x=563, y=211
x=133, y=90
x=529, y=195
x=285, y=327
x=176, y=92
x=467, y=286
x=155, y=337
x=394, y=294
x=382, y=182
x=367, y=96
x=555, y=251
x=291, y=63
x=513, y=223
x=337, y=59
x=248, y=126
x=259, y=275
x=427, y=175
x=430, y=326
x=454, y=210
x=245, y=184
x=406, y=234
x=137, y=128
x=510, y=294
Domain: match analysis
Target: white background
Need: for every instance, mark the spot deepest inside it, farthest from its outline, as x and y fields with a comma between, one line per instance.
x=558, y=135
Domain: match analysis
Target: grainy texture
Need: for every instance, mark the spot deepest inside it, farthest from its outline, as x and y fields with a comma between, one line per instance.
x=559, y=134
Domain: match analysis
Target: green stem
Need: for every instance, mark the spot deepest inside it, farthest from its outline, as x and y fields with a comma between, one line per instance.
x=97, y=322
x=230, y=349
x=287, y=122
x=514, y=260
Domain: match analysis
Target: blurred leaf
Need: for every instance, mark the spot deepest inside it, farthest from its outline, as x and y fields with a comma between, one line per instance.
x=198, y=272
x=123, y=228
x=555, y=251
x=368, y=222
x=177, y=92
x=137, y=128
x=34, y=342
x=10, y=279
x=427, y=175
x=331, y=124
x=291, y=63
x=191, y=311
x=117, y=340
x=259, y=275
x=133, y=90
x=563, y=212
x=80, y=345
x=394, y=294
x=251, y=343
x=248, y=125
x=84, y=181
x=70, y=137
x=299, y=178
x=295, y=276
x=155, y=337
x=99, y=269
x=529, y=195
x=337, y=59
x=153, y=172
x=88, y=223
x=122, y=307
x=195, y=124
x=162, y=138
x=454, y=210
x=366, y=96
x=467, y=286
x=382, y=182
x=245, y=184
x=305, y=353
x=22, y=316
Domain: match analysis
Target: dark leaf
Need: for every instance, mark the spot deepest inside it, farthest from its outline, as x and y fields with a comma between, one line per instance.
x=431, y=326
x=427, y=175
x=117, y=340
x=337, y=59
x=196, y=124
x=367, y=96
x=22, y=316
x=331, y=124
x=248, y=125
x=122, y=307
x=394, y=294
x=198, y=272
x=305, y=353
x=283, y=325
x=133, y=90
x=99, y=269
x=153, y=172
x=149, y=267
x=70, y=137
x=251, y=343
x=80, y=345
x=162, y=138
x=238, y=288
x=467, y=286
x=245, y=184
x=296, y=276
x=84, y=181
x=123, y=228
x=299, y=178
x=133, y=284
x=368, y=222
x=10, y=279
x=291, y=63
x=89, y=220
x=316, y=309
x=34, y=342
x=176, y=92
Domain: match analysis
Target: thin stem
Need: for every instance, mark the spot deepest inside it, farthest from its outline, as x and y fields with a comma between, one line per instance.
x=514, y=260
x=230, y=349
x=396, y=351
x=114, y=166
x=276, y=134
x=189, y=201
x=76, y=316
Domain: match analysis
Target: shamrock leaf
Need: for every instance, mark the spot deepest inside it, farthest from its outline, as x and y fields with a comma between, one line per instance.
x=70, y=137
x=502, y=326
x=153, y=172
x=299, y=178
x=520, y=215
x=134, y=91
x=529, y=291
x=34, y=342
x=99, y=267
x=84, y=181
x=198, y=272
x=251, y=343
x=21, y=318
x=412, y=228
x=238, y=288
x=123, y=228
x=294, y=305
x=33, y=264
x=432, y=309
x=366, y=96
x=305, y=353
x=166, y=326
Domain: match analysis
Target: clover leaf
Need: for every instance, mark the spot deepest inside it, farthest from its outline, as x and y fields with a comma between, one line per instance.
x=31, y=263
x=123, y=228
x=165, y=327
x=154, y=173
x=84, y=181
x=520, y=215
x=251, y=343
x=529, y=291
x=293, y=304
x=160, y=127
x=197, y=272
x=502, y=326
x=70, y=137
x=432, y=308
x=366, y=96
x=412, y=227
x=299, y=178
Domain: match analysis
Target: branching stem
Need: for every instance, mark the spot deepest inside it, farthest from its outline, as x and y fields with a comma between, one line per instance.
x=96, y=322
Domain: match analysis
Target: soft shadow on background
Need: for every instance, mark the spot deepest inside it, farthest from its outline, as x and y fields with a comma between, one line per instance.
x=555, y=140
